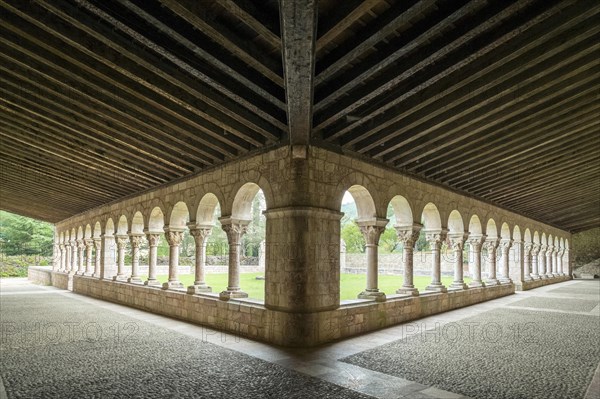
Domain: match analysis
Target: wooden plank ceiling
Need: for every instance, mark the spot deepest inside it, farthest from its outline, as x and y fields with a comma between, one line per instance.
x=101, y=99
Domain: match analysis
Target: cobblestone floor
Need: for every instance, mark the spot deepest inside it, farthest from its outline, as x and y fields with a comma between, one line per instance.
x=116, y=351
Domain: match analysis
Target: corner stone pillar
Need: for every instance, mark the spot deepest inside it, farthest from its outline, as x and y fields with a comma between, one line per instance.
x=234, y=229
x=121, y=242
x=153, y=239
x=490, y=245
x=302, y=271
x=371, y=231
x=174, y=238
x=107, y=256
x=475, y=243
x=200, y=234
x=457, y=242
x=435, y=240
x=527, y=271
x=89, y=245
x=408, y=236
x=97, y=256
x=505, y=270
x=135, y=240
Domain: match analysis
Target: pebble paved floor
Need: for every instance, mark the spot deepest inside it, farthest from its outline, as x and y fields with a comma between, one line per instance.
x=536, y=344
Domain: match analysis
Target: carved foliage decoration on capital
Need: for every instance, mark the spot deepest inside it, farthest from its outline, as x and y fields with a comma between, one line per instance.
x=174, y=238
x=153, y=239
x=234, y=231
x=505, y=245
x=476, y=241
x=121, y=241
x=535, y=249
x=435, y=239
x=371, y=233
x=528, y=247
x=136, y=240
x=457, y=241
x=408, y=236
x=89, y=242
x=490, y=245
x=97, y=244
x=200, y=234
x=81, y=244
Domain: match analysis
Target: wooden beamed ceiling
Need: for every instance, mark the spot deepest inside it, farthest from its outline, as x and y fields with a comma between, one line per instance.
x=101, y=99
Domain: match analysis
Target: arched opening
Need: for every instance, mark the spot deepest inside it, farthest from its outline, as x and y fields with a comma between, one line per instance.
x=179, y=241
x=490, y=247
x=245, y=230
x=453, y=259
x=360, y=232
x=475, y=240
x=138, y=246
x=122, y=245
x=154, y=231
x=436, y=239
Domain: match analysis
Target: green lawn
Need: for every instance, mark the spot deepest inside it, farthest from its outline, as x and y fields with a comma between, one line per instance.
x=351, y=284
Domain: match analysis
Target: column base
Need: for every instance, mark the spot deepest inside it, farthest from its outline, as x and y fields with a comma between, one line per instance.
x=527, y=278
x=476, y=284
x=491, y=282
x=536, y=277
x=119, y=278
x=549, y=275
x=172, y=285
x=458, y=285
x=376, y=295
x=88, y=274
x=436, y=288
x=198, y=289
x=412, y=291
x=505, y=281
x=153, y=283
x=134, y=280
x=227, y=295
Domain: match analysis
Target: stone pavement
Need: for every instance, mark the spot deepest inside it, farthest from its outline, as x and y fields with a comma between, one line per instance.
x=82, y=347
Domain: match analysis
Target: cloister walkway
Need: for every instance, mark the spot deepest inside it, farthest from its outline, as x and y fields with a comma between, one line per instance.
x=538, y=343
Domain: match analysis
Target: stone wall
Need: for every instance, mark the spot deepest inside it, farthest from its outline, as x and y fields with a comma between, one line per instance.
x=40, y=275
x=391, y=264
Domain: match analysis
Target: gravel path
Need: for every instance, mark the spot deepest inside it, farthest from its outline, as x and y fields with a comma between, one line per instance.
x=576, y=305
x=53, y=346
x=500, y=354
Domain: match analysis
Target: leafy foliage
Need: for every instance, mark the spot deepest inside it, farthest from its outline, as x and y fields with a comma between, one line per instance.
x=20, y=235
x=586, y=246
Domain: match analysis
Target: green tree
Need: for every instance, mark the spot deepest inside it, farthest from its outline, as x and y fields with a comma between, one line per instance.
x=21, y=235
x=355, y=242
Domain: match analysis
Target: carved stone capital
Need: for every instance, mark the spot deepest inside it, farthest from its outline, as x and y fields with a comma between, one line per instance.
x=527, y=248
x=136, y=240
x=408, y=235
x=121, y=241
x=505, y=244
x=174, y=237
x=98, y=244
x=476, y=241
x=153, y=239
x=234, y=229
x=535, y=249
x=457, y=241
x=435, y=238
x=89, y=242
x=371, y=233
x=200, y=234
x=491, y=244
x=81, y=244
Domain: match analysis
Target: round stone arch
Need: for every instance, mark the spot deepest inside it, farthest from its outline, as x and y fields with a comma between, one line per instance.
x=205, y=209
x=536, y=238
x=122, y=226
x=155, y=219
x=402, y=210
x=527, y=237
x=137, y=223
x=88, y=231
x=544, y=239
x=432, y=220
x=475, y=227
x=97, y=229
x=491, y=228
x=80, y=233
x=215, y=191
x=178, y=215
x=241, y=206
x=363, y=190
x=456, y=223
x=108, y=227
x=505, y=232
x=227, y=203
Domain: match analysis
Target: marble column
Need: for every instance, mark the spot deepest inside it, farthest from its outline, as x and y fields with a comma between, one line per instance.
x=371, y=231
x=555, y=272
x=549, y=250
x=527, y=271
x=435, y=240
x=88, y=256
x=234, y=229
x=490, y=245
x=153, y=240
x=74, y=257
x=135, y=239
x=121, y=241
x=97, y=256
x=561, y=270
x=542, y=261
x=535, y=265
x=408, y=236
x=107, y=256
x=200, y=234
x=475, y=243
x=63, y=258
x=174, y=238
x=457, y=242
x=505, y=245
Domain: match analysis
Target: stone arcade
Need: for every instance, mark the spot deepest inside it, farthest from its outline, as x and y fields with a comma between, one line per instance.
x=302, y=303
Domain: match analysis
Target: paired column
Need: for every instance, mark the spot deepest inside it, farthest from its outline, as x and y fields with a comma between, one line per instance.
x=435, y=240
x=153, y=239
x=549, y=250
x=408, y=236
x=505, y=245
x=73, y=257
x=475, y=243
x=490, y=245
x=121, y=241
x=135, y=240
x=535, y=264
x=88, y=256
x=97, y=256
x=371, y=231
x=542, y=261
x=555, y=272
x=63, y=258
x=200, y=234
x=80, y=256
x=527, y=261
x=234, y=229
x=174, y=238
x=457, y=243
